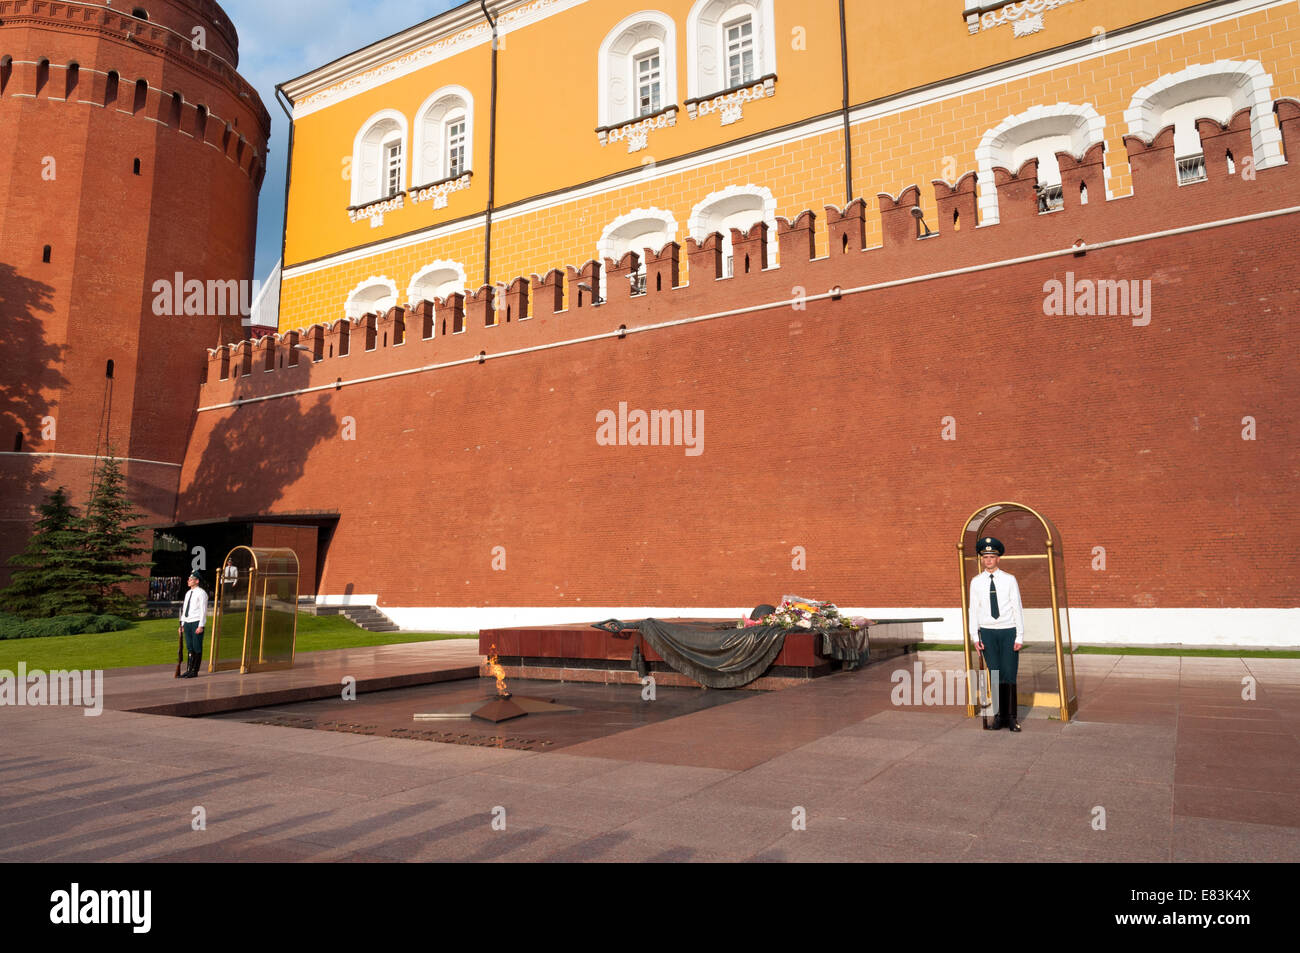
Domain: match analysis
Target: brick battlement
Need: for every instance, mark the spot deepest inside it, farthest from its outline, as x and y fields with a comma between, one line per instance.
x=152, y=43
x=564, y=305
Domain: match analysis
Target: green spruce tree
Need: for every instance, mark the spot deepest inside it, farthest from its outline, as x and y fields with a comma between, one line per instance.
x=113, y=545
x=52, y=575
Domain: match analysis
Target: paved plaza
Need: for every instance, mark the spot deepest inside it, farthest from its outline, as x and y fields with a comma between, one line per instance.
x=1166, y=761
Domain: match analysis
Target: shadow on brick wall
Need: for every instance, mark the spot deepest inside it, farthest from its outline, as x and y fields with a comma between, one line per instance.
x=253, y=455
x=29, y=369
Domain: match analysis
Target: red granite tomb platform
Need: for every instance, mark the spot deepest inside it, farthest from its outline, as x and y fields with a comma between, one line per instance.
x=576, y=652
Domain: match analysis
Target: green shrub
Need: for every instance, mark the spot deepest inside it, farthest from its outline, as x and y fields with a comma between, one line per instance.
x=12, y=627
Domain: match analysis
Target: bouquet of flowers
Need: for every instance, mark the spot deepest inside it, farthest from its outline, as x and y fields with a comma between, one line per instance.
x=798, y=613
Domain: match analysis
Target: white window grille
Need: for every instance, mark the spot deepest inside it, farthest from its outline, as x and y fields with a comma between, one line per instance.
x=649, y=85
x=1191, y=169
x=740, y=52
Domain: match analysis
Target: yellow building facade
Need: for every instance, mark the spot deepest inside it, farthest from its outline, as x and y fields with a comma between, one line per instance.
x=442, y=159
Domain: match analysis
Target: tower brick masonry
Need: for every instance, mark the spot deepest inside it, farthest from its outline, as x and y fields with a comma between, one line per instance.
x=131, y=151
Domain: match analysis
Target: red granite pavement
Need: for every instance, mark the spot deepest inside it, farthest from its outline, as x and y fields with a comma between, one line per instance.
x=1169, y=759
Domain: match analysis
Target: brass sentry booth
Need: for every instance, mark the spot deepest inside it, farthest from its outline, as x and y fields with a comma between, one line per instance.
x=1034, y=556
x=255, y=626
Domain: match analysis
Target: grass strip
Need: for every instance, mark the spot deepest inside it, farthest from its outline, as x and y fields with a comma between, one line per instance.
x=153, y=642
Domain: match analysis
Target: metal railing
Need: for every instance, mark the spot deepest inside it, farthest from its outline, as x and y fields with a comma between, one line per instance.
x=1191, y=169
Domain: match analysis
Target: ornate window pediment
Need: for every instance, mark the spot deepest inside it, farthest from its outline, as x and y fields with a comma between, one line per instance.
x=1024, y=16
x=637, y=91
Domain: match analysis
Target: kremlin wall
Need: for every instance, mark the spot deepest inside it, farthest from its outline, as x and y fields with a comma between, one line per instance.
x=851, y=411
x=659, y=337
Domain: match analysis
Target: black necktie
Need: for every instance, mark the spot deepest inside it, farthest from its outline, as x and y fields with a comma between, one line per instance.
x=993, y=598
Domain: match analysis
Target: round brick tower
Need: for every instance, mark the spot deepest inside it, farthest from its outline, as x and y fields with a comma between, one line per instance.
x=131, y=155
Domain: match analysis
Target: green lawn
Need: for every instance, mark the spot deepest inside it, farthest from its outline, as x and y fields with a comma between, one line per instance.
x=153, y=642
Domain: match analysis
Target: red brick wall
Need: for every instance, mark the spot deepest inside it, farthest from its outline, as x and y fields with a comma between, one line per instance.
x=301, y=539
x=822, y=427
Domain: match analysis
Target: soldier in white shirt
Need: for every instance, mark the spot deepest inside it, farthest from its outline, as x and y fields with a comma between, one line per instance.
x=997, y=626
x=194, y=610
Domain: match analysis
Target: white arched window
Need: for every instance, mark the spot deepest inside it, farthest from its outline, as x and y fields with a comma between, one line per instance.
x=637, y=68
x=1207, y=91
x=379, y=158
x=374, y=295
x=1038, y=133
x=436, y=280
x=737, y=206
x=636, y=231
x=444, y=136
x=729, y=43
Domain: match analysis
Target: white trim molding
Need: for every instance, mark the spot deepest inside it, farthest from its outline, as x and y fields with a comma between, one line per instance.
x=453, y=269
x=1243, y=82
x=459, y=29
x=1082, y=124
x=356, y=306
x=613, y=243
x=86, y=456
x=726, y=202
x=1221, y=628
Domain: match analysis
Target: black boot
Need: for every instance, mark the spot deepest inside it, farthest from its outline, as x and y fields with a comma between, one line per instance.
x=999, y=708
x=198, y=662
x=1011, y=707
x=191, y=669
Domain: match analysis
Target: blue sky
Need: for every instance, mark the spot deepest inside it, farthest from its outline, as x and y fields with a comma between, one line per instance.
x=281, y=39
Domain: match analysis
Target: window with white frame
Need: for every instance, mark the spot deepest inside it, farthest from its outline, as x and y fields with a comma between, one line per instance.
x=1038, y=133
x=729, y=43
x=456, y=147
x=393, y=163
x=1188, y=153
x=379, y=158
x=444, y=136
x=638, y=230
x=375, y=295
x=436, y=280
x=637, y=69
x=648, y=84
x=1051, y=196
x=735, y=207
x=740, y=51
x=1218, y=91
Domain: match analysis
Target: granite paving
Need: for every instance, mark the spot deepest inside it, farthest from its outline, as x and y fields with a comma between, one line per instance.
x=1167, y=759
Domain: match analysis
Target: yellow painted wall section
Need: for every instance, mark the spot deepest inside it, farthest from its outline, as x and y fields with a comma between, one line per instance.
x=320, y=190
x=890, y=152
x=547, y=117
x=899, y=46
x=550, y=135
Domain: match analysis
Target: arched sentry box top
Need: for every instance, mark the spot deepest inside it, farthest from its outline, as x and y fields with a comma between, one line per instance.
x=255, y=620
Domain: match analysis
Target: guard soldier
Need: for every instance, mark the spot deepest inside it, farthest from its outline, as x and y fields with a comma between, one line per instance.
x=997, y=626
x=194, y=610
